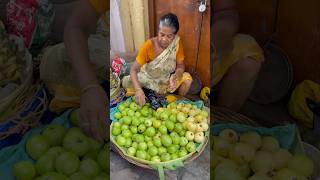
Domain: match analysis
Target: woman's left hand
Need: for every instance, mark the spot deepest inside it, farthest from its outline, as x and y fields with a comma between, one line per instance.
x=93, y=113
x=172, y=83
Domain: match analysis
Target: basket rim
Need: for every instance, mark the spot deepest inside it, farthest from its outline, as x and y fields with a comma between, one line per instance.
x=224, y=115
x=305, y=144
x=192, y=156
x=314, y=149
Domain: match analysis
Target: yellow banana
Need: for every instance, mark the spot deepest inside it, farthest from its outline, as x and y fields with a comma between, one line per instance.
x=5, y=61
x=171, y=98
x=10, y=70
x=16, y=76
x=8, y=59
x=130, y=92
x=204, y=94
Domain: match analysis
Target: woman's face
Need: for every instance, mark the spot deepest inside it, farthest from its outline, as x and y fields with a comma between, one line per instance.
x=165, y=36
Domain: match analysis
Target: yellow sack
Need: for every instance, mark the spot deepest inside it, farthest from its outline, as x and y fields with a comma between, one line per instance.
x=298, y=107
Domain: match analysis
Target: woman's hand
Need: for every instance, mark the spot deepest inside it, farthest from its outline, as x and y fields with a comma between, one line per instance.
x=140, y=97
x=93, y=113
x=172, y=83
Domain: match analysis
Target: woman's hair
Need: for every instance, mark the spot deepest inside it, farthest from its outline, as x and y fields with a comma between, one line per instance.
x=170, y=20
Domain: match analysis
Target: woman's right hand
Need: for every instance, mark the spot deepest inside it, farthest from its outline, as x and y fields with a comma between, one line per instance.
x=140, y=97
x=172, y=83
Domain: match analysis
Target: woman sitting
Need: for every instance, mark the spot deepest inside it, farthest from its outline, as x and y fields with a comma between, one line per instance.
x=159, y=65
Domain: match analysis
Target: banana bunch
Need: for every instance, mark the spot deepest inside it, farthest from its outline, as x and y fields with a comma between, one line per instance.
x=9, y=71
x=205, y=93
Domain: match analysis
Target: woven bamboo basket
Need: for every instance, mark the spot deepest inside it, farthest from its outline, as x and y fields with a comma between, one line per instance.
x=188, y=160
x=223, y=115
x=190, y=157
x=27, y=114
x=23, y=108
x=16, y=100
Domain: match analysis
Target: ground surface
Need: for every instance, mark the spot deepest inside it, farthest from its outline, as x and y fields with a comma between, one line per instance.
x=199, y=169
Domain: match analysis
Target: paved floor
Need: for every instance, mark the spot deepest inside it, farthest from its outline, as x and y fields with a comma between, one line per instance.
x=199, y=169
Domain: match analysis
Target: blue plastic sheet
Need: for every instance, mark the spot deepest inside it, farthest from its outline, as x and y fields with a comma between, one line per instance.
x=13, y=154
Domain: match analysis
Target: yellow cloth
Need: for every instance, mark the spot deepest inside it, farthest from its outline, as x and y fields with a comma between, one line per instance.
x=146, y=53
x=185, y=76
x=297, y=105
x=101, y=5
x=243, y=46
x=65, y=97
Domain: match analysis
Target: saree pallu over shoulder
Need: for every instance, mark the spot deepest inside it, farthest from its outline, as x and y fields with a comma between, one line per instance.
x=155, y=74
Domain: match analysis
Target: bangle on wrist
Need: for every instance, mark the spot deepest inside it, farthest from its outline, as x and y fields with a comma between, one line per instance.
x=89, y=86
x=139, y=89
